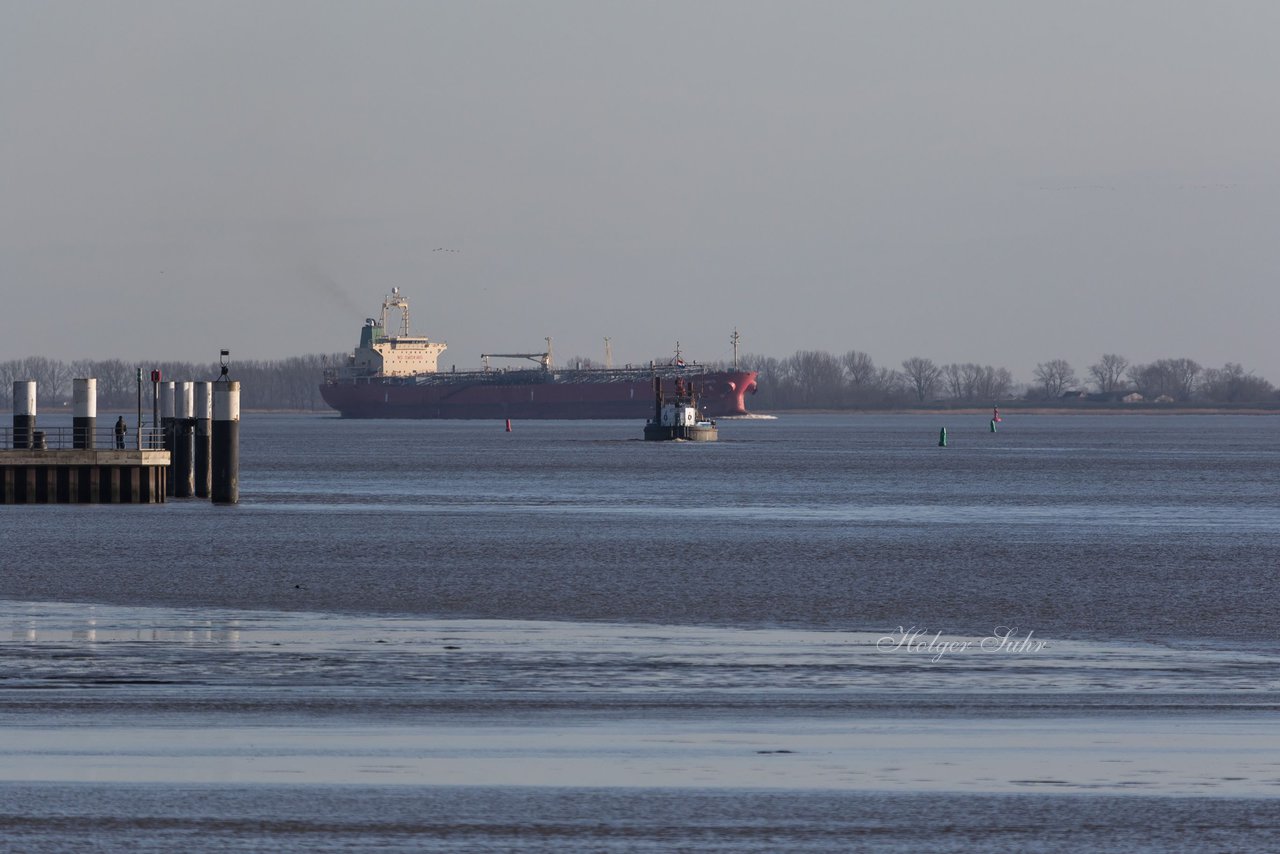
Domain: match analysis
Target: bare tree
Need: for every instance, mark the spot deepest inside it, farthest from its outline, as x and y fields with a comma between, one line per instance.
x=117, y=382
x=1148, y=380
x=859, y=368
x=1054, y=376
x=992, y=384
x=818, y=377
x=10, y=372
x=1231, y=384
x=970, y=377
x=1174, y=378
x=1108, y=373
x=922, y=376
x=1183, y=373
x=972, y=381
x=951, y=378
x=50, y=375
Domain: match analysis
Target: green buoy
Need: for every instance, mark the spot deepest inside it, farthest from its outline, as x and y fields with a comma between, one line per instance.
x=942, y=438
x=993, y=425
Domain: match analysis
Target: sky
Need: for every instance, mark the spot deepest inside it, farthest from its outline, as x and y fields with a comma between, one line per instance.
x=995, y=182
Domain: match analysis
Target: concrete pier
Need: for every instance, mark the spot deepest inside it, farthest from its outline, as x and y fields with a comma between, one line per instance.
x=24, y=413
x=82, y=477
x=84, y=394
x=69, y=469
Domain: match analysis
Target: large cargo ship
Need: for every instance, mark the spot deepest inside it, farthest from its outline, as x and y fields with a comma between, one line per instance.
x=396, y=376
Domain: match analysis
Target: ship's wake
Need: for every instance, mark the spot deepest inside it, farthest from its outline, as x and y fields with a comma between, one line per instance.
x=750, y=416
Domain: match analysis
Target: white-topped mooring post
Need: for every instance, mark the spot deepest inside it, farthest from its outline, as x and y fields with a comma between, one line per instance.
x=183, y=440
x=24, y=412
x=167, y=392
x=225, y=443
x=203, y=419
x=84, y=393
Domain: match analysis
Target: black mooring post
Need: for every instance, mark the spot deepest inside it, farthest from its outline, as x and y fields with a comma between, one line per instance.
x=203, y=437
x=225, y=444
x=184, y=468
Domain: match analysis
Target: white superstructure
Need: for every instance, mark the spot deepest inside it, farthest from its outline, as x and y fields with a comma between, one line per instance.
x=403, y=355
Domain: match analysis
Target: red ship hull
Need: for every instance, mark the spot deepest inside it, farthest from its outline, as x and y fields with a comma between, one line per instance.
x=531, y=394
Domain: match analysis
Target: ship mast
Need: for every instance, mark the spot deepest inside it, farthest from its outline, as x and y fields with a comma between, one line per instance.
x=396, y=301
x=734, y=338
x=608, y=353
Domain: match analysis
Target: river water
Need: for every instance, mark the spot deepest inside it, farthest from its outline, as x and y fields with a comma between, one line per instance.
x=821, y=632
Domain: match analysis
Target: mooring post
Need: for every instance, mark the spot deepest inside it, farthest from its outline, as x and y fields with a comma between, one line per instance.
x=84, y=418
x=167, y=390
x=166, y=425
x=183, y=441
x=225, y=443
x=24, y=412
x=203, y=416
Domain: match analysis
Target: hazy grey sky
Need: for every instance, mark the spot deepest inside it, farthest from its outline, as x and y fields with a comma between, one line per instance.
x=998, y=182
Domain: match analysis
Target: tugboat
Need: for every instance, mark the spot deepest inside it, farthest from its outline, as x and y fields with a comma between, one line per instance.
x=678, y=418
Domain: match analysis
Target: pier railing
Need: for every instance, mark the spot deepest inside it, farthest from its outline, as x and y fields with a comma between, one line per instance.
x=67, y=438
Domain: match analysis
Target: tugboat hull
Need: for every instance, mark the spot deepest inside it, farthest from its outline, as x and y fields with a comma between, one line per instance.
x=697, y=433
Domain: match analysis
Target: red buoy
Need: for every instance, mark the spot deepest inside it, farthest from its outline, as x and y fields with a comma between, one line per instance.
x=508, y=425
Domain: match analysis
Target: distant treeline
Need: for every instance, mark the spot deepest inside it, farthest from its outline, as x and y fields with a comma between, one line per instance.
x=808, y=379
x=814, y=379
x=292, y=383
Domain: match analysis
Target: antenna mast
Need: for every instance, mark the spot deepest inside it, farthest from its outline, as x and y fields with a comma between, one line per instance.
x=396, y=301
x=608, y=353
x=734, y=338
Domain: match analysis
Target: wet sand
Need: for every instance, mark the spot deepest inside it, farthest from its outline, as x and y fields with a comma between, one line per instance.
x=102, y=695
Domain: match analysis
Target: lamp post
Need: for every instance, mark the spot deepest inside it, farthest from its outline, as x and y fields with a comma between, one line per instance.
x=155, y=400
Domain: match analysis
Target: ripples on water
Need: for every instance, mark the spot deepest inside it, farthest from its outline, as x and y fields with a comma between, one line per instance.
x=152, y=729
x=681, y=645
x=1083, y=526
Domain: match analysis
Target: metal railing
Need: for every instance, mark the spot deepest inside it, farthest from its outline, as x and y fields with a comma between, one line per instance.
x=64, y=437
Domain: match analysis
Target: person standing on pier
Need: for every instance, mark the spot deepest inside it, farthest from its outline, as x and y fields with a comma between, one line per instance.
x=121, y=429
